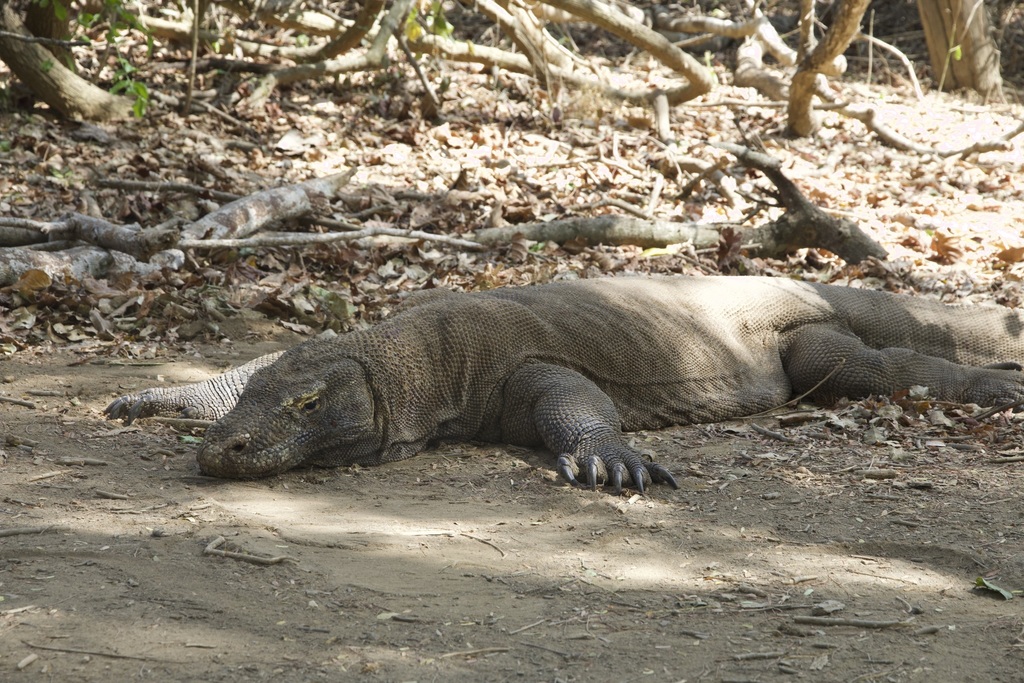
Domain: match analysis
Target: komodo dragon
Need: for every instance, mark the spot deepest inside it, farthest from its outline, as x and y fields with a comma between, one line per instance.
x=571, y=365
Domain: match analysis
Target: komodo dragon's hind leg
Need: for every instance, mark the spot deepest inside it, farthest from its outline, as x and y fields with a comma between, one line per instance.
x=577, y=422
x=845, y=366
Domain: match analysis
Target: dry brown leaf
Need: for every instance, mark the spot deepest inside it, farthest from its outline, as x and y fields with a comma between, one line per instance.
x=1011, y=255
x=31, y=282
x=946, y=247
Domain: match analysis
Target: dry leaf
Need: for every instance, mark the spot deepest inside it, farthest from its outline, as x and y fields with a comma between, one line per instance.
x=1011, y=255
x=946, y=247
x=32, y=281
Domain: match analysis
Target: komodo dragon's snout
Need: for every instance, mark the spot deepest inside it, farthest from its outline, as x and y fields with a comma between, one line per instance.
x=318, y=417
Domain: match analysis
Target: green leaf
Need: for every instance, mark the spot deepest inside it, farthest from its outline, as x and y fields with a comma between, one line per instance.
x=982, y=582
x=957, y=53
x=439, y=25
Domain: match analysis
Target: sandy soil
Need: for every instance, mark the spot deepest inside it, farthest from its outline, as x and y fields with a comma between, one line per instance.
x=475, y=563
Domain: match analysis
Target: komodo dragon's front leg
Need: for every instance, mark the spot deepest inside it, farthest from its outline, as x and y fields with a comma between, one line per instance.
x=207, y=400
x=836, y=364
x=577, y=422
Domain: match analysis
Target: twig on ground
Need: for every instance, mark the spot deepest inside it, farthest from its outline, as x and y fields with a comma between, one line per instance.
x=998, y=409
x=764, y=431
x=212, y=548
x=95, y=653
x=473, y=653
x=528, y=626
x=546, y=649
x=484, y=541
x=100, y=493
x=1006, y=461
x=17, y=401
x=181, y=422
x=27, y=530
x=748, y=656
x=860, y=623
x=82, y=461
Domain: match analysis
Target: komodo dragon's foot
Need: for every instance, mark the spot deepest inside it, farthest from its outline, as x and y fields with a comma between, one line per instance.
x=143, y=404
x=612, y=468
x=127, y=408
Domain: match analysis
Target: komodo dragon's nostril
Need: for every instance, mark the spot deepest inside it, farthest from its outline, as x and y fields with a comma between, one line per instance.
x=240, y=442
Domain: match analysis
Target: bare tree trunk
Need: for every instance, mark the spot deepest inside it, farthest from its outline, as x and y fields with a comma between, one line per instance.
x=960, y=45
x=43, y=21
x=50, y=80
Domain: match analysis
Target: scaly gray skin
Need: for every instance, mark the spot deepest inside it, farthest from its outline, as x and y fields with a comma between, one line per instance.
x=571, y=365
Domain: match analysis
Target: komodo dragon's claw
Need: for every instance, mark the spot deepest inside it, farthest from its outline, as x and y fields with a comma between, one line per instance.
x=615, y=479
x=638, y=478
x=126, y=407
x=592, y=472
x=594, y=469
x=661, y=475
x=564, y=468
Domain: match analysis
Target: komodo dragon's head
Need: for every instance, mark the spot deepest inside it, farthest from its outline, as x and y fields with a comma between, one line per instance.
x=297, y=411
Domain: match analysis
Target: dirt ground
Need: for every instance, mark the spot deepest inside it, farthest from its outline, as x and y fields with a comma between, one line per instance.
x=473, y=562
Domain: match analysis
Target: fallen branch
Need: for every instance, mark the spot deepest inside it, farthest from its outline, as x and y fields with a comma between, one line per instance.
x=608, y=229
x=296, y=239
x=803, y=225
x=140, y=243
x=250, y=214
x=63, y=259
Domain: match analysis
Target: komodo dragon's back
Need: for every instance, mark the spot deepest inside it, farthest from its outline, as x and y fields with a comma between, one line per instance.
x=570, y=365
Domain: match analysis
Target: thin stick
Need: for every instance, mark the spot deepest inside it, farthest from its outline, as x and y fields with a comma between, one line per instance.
x=17, y=401
x=769, y=433
x=192, y=59
x=484, y=541
x=95, y=653
x=478, y=651
x=111, y=495
x=25, y=530
x=212, y=549
x=546, y=649
x=180, y=422
x=836, y=621
x=796, y=399
x=400, y=36
x=47, y=475
x=998, y=409
x=82, y=461
x=523, y=628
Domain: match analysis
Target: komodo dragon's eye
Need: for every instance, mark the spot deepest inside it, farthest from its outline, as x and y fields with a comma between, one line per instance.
x=308, y=403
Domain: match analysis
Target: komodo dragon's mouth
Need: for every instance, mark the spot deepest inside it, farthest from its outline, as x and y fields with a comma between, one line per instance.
x=235, y=459
x=234, y=453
